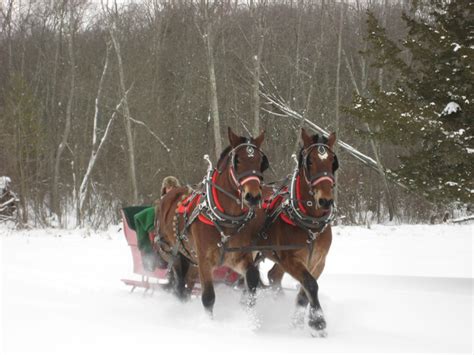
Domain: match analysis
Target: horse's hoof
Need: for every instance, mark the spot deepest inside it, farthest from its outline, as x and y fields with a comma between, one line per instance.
x=210, y=314
x=277, y=291
x=316, y=320
x=319, y=333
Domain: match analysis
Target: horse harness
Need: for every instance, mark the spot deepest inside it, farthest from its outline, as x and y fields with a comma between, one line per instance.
x=286, y=203
x=208, y=209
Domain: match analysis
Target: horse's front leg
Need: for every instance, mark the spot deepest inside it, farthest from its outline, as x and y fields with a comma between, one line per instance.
x=309, y=293
x=252, y=278
x=208, y=296
x=249, y=296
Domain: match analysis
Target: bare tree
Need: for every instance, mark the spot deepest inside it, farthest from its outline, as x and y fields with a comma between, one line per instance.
x=67, y=127
x=112, y=28
x=338, y=78
x=258, y=14
x=208, y=35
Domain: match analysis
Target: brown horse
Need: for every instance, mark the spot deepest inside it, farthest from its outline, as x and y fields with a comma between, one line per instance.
x=207, y=227
x=298, y=226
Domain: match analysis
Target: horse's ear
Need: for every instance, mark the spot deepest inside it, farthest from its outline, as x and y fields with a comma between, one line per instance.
x=233, y=138
x=332, y=140
x=306, y=138
x=259, y=140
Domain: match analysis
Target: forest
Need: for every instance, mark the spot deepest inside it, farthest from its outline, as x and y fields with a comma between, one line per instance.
x=99, y=100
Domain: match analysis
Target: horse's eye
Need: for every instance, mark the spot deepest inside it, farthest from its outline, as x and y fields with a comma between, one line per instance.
x=236, y=161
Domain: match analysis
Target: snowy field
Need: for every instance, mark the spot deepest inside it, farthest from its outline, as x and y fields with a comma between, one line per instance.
x=385, y=289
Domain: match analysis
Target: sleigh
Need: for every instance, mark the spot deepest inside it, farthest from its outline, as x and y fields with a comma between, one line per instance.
x=157, y=279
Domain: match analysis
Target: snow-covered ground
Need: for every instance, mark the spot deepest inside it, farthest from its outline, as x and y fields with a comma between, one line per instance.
x=385, y=289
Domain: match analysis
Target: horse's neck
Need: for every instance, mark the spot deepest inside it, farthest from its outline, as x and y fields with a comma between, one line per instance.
x=306, y=196
x=229, y=205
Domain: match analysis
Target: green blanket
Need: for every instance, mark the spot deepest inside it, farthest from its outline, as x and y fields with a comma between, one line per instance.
x=145, y=223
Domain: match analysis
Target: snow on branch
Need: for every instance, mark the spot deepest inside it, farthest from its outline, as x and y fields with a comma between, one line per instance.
x=286, y=111
x=151, y=132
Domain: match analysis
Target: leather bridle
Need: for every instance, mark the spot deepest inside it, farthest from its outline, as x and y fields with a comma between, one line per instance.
x=314, y=180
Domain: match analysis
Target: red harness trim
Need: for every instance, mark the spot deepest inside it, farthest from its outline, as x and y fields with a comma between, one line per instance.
x=187, y=204
x=214, y=192
x=270, y=204
x=205, y=220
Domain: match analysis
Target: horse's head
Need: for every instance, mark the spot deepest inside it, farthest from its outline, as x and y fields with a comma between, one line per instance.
x=246, y=163
x=319, y=163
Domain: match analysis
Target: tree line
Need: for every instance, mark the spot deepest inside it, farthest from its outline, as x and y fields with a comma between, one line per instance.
x=100, y=101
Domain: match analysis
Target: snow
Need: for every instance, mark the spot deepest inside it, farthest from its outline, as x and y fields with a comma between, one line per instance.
x=450, y=108
x=4, y=182
x=405, y=288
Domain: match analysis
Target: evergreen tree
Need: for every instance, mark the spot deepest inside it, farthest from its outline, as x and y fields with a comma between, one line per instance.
x=428, y=111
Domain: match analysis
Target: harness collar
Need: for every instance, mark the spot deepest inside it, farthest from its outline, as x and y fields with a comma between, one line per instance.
x=212, y=209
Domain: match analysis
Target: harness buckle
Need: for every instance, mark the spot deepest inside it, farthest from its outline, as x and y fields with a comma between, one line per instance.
x=184, y=237
x=224, y=239
x=312, y=236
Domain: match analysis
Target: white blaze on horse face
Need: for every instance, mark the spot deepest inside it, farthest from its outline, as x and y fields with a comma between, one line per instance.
x=322, y=153
x=250, y=152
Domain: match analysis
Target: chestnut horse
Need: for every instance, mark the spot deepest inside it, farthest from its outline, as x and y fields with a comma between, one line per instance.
x=207, y=227
x=297, y=232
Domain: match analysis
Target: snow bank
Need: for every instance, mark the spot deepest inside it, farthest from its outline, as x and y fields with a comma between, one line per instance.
x=385, y=289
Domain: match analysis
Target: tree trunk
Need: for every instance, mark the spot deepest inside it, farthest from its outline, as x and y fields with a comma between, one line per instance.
x=259, y=38
x=95, y=146
x=55, y=203
x=214, y=107
x=338, y=76
x=126, y=115
x=313, y=80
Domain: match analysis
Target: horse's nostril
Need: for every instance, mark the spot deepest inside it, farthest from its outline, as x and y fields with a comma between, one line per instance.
x=252, y=200
x=323, y=202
